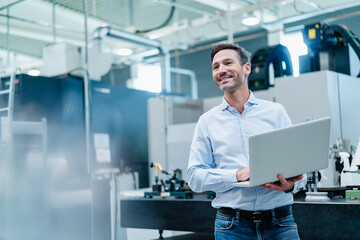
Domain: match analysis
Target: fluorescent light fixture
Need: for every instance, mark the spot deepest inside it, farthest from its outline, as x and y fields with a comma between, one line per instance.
x=250, y=21
x=34, y=72
x=124, y=51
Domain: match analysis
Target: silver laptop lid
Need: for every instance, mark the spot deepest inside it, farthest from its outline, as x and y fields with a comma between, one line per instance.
x=289, y=151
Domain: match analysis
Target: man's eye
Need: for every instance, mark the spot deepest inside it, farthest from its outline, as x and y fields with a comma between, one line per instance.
x=228, y=63
x=215, y=68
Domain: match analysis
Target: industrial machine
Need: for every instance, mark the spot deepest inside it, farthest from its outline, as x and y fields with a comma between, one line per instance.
x=268, y=63
x=335, y=48
x=173, y=187
x=354, y=192
x=350, y=175
x=331, y=47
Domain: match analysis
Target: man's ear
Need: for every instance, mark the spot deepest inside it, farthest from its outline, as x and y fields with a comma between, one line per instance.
x=247, y=68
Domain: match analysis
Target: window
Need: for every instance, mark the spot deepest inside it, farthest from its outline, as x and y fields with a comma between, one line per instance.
x=146, y=77
x=295, y=43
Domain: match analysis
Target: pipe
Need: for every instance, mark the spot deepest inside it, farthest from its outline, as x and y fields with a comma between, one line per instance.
x=229, y=22
x=87, y=92
x=53, y=20
x=101, y=32
x=131, y=10
x=12, y=93
x=11, y=108
x=109, y=12
x=165, y=70
x=8, y=36
x=194, y=82
x=87, y=109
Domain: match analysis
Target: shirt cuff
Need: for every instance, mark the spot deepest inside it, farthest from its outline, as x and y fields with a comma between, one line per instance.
x=231, y=177
x=295, y=188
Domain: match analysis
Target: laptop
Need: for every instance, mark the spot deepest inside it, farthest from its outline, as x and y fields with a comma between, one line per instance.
x=289, y=151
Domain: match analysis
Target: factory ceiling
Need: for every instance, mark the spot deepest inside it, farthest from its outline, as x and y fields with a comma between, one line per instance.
x=26, y=26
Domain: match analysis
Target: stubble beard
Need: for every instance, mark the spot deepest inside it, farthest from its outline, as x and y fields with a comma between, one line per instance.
x=237, y=82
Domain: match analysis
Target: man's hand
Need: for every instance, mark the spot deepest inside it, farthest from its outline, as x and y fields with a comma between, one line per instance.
x=243, y=174
x=284, y=184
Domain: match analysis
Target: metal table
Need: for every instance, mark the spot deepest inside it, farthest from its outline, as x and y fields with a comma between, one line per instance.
x=337, y=219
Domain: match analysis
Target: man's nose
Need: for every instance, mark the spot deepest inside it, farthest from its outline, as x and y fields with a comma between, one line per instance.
x=222, y=69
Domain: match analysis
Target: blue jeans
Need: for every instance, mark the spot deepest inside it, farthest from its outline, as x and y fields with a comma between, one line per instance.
x=229, y=228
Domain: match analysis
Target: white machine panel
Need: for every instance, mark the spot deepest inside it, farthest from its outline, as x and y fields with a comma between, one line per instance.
x=305, y=96
x=311, y=96
x=349, y=88
x=179, y=139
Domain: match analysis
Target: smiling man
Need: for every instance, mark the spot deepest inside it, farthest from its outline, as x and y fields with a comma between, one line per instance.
x=219, y=156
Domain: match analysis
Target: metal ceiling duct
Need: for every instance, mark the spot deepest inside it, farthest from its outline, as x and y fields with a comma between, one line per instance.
x=107, y=31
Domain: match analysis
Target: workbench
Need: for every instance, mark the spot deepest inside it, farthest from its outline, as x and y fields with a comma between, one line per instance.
x=336, y=219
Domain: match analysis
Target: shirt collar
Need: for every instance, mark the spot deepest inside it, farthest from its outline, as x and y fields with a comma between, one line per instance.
x=251, y=101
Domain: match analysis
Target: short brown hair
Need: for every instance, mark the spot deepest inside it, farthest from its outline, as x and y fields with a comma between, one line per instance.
x=244, y=56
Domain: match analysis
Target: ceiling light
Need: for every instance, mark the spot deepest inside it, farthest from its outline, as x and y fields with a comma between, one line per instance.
x=250, y=21
x=124, y=51
x=34, y=72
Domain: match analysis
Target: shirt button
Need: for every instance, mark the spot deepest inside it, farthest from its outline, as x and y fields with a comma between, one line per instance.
x=257, y=203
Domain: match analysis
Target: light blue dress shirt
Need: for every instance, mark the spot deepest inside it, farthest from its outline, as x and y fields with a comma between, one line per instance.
x=220, y=147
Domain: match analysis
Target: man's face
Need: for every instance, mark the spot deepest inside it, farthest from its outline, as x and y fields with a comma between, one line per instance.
x=227, y=71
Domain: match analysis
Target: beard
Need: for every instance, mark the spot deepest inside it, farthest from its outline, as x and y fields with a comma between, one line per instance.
x=233, y=84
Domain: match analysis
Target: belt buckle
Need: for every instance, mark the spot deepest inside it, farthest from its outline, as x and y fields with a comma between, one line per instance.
x=254, y=216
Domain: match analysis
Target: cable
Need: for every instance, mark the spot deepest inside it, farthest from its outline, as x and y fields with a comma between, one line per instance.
x=163, y=24
x=315, y=5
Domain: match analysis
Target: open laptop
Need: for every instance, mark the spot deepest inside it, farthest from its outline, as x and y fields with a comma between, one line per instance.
x=288, y=151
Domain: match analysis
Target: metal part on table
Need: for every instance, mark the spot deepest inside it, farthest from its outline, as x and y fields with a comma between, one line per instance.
x=173, y=187
x=352, y=194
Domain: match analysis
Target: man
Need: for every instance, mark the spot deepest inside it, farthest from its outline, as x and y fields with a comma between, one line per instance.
x=219, y=156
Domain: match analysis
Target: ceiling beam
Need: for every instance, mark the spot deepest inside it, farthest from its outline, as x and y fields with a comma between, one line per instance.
x=11, y=4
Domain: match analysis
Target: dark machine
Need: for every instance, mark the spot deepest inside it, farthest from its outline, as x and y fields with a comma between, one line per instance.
x=60, y=100
x=329, y=49
x=267, y=63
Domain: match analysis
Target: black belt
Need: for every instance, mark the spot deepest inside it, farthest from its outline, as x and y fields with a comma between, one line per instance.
x=257, y=216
